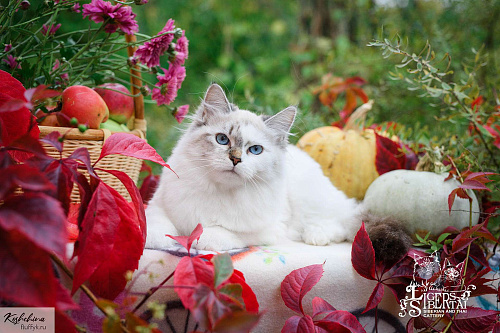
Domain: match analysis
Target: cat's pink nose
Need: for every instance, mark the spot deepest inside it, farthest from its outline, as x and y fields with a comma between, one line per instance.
x=234, y=159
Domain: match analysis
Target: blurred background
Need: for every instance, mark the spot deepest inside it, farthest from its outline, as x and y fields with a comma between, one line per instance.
x=269, y=54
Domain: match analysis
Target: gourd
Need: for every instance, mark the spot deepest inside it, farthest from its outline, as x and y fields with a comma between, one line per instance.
x=419, y=200
x=346, y=156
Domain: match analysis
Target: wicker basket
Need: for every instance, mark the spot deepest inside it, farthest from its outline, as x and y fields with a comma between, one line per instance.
x=93, y=139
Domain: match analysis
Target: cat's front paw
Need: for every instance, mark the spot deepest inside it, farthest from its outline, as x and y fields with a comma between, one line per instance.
x=218, y=239
x=313, y=235
x=159, y=242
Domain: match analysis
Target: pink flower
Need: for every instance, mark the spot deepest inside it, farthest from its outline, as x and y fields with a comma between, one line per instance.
x=76, y=8
x=149, y=53
x=181, y=113
x=50, y=31
x=167, y=87
x=8, y=47
x=12, y=62
x=63, y=76
x=180, y=73
x=181, y=49
x=121, y=16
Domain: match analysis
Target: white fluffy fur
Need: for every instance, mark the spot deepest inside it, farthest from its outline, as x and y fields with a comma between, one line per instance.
x=265, y=199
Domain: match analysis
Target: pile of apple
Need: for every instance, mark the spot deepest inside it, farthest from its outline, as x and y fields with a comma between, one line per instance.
x=101, y=107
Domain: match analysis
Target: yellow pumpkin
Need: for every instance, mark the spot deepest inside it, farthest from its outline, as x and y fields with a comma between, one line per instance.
x=347, y=157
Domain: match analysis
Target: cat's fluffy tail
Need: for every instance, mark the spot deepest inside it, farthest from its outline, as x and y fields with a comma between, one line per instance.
x=391, y=241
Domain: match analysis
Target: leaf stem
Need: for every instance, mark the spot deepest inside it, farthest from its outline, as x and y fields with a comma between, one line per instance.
x=84, y=288
x=151, y=291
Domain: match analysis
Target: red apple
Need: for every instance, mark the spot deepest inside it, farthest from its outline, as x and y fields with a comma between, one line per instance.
x=85, y=105
x=121, y=106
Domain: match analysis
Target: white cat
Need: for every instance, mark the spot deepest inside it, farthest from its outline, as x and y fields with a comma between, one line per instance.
x=239, y=178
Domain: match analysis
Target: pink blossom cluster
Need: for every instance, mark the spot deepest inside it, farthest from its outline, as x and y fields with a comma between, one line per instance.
x=116, y=16
x=170, y=82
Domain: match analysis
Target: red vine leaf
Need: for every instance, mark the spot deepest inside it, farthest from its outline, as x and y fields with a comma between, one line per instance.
x=375, y=297
x=110, y=243
x=298, y=283
x=363, y=254
x=187, y=241
x=130, y=145
x=341, y=321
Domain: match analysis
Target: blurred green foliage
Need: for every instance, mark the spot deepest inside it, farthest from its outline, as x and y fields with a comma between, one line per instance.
x=269, y=54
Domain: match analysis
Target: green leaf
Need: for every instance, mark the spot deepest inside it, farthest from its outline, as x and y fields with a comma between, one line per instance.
x=234, y=292
x=442, y=237
x=445, y=86
x=420, y=238
x=223, y=268
x=419, y=66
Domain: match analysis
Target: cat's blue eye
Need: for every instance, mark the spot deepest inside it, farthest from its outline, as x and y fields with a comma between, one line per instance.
x=222, y=139
x=256, y=150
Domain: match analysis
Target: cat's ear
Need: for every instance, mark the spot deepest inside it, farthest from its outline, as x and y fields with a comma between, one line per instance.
x=282, y=121
x=215, y=101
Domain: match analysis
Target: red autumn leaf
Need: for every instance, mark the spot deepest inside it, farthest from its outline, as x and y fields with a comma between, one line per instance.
x=397, y=289
x=37, y=217
x=130, y=145
x=14, y=125
x=52, y=139
x=29, y=98
x=477, y=102
x=251, y=303
x=375, y=297
x=461, y=243
x=346, y=320
x=63, y=323
x=474, y=320
x=350, y=103
x=363, y=254
x=24, y=176
x=240, y=321
x=148, y=187
x=456, y=192
x=187, y=241
x=477, y=181
x=298, y=324
x=291, y=324
x=61, y=174
x=10, y=86
x=320, y=306
x=110, y=243
x=190, y=272
x=207, y=307
x=298, y=283
x=26, y=273
x=135, y=196
x=389, y=155
x=361, y=94
x=355, y=80
x=64, y=302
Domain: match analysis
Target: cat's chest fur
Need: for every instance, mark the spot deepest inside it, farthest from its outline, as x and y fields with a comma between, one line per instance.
x=246, y=208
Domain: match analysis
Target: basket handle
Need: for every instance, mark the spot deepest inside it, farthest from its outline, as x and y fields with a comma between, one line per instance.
x=135, y=79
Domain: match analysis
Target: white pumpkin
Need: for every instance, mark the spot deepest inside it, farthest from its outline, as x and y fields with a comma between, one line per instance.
x=419, y=199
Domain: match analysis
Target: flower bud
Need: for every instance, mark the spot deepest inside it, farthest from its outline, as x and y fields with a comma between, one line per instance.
x=145, y=91
x=132, y=61
x=140, y=2
x=25, y=5
x=73, y=121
